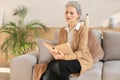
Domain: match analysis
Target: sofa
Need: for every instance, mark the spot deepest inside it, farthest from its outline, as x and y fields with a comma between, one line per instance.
x=106, y=68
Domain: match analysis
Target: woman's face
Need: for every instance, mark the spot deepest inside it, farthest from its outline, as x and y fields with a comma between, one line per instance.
x=71, y=14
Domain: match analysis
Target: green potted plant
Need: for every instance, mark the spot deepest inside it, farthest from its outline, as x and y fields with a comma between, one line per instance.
x=19, y=38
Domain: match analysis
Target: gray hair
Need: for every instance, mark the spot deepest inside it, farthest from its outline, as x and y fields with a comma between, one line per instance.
x=74, y=4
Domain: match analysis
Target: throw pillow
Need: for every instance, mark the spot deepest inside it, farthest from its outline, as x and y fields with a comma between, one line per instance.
x=44, y=54
x=95, y=46
x=111, y=45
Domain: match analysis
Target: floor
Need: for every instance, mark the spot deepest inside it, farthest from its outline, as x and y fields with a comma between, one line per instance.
x=4, y=72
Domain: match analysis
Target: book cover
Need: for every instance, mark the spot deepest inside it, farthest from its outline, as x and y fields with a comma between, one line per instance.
x=65, y=48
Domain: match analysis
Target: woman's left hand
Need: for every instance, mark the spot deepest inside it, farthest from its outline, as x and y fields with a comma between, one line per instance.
x=58, y=55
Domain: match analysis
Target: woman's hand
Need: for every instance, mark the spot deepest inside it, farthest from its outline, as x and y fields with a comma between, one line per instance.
x=58, y=55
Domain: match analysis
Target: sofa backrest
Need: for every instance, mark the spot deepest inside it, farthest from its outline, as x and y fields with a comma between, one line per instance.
x=111, y=45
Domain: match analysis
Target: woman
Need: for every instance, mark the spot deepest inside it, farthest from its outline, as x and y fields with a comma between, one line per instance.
x=77, y=36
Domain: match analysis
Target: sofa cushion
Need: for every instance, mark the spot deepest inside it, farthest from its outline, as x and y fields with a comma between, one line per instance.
x=93, y=74
x=94, y=45
x=111, y=45
x=98, y=35
x=111, y=70
x=44, y=54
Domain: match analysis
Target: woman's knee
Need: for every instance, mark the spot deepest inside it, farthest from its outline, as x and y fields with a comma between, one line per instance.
x=55, y=65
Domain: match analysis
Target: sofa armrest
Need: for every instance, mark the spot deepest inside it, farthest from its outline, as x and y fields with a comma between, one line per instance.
x=21, y=67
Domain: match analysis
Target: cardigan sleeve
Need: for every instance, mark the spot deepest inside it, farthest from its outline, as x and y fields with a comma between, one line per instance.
x=82, y=46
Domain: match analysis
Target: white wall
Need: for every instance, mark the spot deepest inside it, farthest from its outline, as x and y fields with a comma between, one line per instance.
x=100, y=10
x=51, y=12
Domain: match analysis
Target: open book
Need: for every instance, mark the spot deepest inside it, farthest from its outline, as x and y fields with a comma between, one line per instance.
x=64, y=48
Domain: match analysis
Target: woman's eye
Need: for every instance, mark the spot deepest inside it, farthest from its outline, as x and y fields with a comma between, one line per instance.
x=66, y=12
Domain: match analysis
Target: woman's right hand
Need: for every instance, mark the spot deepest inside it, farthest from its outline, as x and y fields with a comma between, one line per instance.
x=58, y=55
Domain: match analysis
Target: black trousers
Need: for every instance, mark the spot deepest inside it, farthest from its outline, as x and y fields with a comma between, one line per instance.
x=61, y=69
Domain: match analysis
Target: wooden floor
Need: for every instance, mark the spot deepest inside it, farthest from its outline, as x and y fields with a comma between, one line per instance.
x=4, y=72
